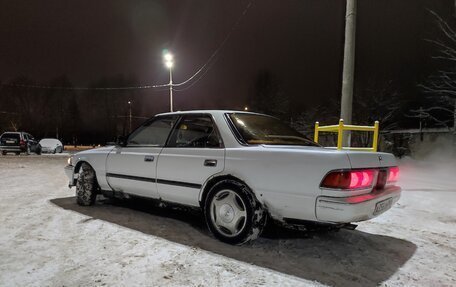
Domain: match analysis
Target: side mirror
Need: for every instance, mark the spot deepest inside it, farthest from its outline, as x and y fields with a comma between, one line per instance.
x=121, y=141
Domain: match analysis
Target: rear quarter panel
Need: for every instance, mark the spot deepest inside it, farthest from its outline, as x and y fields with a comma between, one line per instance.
x=285, y=180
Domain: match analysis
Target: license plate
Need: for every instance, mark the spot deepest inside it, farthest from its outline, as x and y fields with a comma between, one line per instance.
x=383, y=205
x=10, y=141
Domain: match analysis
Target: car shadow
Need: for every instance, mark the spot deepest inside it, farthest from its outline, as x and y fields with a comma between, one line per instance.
x=344, y=258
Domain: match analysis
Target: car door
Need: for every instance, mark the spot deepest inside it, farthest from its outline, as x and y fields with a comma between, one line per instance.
x=193, y=154
x=32, y=142
x=132, y=168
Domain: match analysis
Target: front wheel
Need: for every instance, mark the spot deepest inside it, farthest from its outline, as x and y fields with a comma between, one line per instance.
x=38, y=149
x=233, y=214
x=86, y=186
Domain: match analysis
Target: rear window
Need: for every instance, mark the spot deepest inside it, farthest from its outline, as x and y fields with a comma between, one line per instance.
x=262, y=129
x=10, y=136
x=49, y=142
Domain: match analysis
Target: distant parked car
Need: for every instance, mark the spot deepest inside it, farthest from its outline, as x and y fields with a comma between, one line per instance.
x=51, y=146
x=18, y=142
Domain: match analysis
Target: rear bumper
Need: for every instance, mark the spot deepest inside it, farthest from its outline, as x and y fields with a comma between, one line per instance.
x=12, y=148
x=354, y=208
x=69, y=171
x=47, y=150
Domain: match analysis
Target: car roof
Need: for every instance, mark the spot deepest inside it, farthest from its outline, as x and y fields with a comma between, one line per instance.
x=206, y=112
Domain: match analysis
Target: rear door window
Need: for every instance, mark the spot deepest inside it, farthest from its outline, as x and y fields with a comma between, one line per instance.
x=196, y=131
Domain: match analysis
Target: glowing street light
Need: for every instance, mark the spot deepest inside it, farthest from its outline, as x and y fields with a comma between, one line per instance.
x=246, y=108
x=168, y=57
x=169, y=63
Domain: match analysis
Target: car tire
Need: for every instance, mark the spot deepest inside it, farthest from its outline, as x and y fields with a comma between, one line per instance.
x=17, y=153
x=86, y=186
x=54, y=151
x=38, y=149
x=233, y=214
x=3, y=152
x=60, y=149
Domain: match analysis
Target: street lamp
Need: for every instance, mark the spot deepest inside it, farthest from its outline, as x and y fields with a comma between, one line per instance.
x=246, y=108
x=129, y=107
x=169, y=63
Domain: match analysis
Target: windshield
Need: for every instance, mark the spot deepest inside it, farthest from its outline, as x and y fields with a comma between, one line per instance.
x=261, y=129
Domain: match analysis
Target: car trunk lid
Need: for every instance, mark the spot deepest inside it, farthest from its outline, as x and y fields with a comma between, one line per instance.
x=361, y=159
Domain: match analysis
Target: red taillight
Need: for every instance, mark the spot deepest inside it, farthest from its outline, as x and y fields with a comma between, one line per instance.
x=337, y=179
x=393, y=174
x=382, y=178
x=354, y=179
x=22, y=143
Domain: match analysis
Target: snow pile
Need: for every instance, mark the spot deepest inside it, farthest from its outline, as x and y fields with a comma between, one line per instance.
x=47, y=240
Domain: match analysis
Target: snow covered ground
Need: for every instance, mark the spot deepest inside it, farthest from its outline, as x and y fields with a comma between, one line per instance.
x=47, y=240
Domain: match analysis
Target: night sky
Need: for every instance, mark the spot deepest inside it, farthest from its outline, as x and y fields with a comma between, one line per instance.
x=301, y=42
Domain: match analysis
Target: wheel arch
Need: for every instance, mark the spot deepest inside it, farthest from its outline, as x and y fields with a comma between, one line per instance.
x=77, y=167
x=216, y=179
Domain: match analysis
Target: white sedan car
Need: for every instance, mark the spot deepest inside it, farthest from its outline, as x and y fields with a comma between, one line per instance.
x=239, y=168
x=51, y=146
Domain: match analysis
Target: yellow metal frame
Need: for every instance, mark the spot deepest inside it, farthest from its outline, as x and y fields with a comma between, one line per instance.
x=340, y=128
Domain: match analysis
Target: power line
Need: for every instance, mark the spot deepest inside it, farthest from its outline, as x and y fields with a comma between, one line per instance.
x=196, y=81
x=84, y=88
x=222, y=44
x=206, y=64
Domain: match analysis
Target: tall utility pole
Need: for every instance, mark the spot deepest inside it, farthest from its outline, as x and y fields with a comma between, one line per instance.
x=129, y=117
x=454, y=8
x=454, y=111
x=171, y=89
x=349, y=67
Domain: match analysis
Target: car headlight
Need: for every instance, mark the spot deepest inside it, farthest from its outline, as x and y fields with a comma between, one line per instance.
x=70, y=161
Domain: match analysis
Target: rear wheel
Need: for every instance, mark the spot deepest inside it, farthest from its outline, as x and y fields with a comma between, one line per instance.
x=233, y=214
x=86, y=186
x=3, y=152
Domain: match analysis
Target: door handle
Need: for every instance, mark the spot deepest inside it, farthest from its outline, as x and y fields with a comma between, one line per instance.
x=149, y=158
x=210, y=162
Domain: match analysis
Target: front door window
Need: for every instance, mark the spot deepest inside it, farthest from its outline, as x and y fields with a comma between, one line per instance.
x=153, y=133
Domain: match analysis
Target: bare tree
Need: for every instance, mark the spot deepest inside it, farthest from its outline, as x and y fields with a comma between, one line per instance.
x=269, y=97
x=377, y=101
x=443, y=83
x=373, y=101
x=327, y=114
